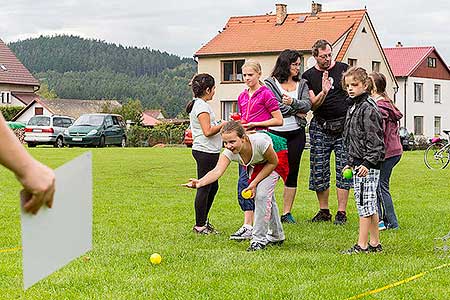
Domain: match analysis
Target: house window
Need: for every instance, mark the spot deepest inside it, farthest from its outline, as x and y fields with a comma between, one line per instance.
x=431, y=62
x=418, y=92
x=418, y=125
x=228, y=107
x=6, y=97
x=437, y=93
x=38, y=111
x=352, y=62
x=376, y=66
x=232, y=70
x=437, y=125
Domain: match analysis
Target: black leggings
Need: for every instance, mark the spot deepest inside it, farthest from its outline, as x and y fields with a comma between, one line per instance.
x=296, y=140
x=205, y=195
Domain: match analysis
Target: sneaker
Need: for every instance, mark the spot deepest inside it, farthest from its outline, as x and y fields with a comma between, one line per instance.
x=204, y=231
x=243, y=233
x=288, y=218
x=376, y=248
x=275, y=243
x=355, y=250
x=256, y=247
x=340, y=218
x=381, y=226
x=322, y=216
x=211, y=228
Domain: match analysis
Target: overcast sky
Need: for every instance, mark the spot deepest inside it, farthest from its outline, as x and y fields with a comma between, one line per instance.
x=181, y=27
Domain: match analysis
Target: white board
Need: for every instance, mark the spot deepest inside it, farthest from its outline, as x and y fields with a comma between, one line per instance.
x=55, y=236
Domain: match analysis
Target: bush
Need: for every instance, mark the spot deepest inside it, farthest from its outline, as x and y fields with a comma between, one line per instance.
x=164, y=133
x=421, y=143
x=10, y=111
x=167, y=133
x=137, y=136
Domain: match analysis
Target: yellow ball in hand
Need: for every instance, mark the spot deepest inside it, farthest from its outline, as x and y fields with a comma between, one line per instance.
x=155, y=259
x=246, y=194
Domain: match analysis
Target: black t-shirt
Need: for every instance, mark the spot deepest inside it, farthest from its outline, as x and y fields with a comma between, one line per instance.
x=334, y=105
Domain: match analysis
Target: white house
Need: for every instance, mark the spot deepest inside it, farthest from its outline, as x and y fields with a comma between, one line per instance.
x=424, y=89
x=263, y=37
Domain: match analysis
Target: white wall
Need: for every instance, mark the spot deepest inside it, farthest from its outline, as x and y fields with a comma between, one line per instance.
x=30, y=113
x=428, y=108
x=365, y=48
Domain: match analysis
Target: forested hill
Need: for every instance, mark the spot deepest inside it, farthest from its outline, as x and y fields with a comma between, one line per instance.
x=91, y=69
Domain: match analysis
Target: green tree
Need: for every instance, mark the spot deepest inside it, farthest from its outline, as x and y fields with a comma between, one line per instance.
x=46, y=93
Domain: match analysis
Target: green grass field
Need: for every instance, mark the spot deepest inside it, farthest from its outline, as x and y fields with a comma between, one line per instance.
x=140, y=208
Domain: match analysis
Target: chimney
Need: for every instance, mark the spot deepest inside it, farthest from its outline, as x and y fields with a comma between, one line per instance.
x=315, y=8
x=281, y=13
x=399, y=45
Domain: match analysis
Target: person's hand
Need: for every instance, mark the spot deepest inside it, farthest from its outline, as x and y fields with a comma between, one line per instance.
x=301, y=115
x=252, y=188
x=287, y=100
x=362, y=171
x=326, y=83
x=38, y=182
x=193, y=183
x=249, y=126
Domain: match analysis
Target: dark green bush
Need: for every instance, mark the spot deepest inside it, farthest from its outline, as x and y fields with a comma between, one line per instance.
x=10, y=111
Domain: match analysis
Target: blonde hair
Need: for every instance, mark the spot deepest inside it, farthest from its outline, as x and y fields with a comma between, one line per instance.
x=255, y=66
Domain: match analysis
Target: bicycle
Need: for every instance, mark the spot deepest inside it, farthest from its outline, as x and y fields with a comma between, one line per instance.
x=437, y=155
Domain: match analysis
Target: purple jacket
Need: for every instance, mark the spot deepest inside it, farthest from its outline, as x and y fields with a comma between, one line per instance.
x=391, y=117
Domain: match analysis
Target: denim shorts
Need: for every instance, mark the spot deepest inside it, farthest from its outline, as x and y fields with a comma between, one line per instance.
x=365, y=189
x=321, y=146
x=245, y=204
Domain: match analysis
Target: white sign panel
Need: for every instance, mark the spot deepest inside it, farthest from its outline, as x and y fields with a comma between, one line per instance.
x=55, y=236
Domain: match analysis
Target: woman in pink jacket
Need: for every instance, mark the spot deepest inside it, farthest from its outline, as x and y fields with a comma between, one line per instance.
x=393, y=147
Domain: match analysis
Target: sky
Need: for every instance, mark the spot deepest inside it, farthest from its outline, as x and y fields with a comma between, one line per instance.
x=182, y=27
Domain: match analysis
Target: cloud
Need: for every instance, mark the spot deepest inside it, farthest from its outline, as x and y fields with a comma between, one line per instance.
x=181, y=27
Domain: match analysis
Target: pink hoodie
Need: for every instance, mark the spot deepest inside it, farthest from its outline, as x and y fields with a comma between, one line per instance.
x=391, y=117
x=259, y=107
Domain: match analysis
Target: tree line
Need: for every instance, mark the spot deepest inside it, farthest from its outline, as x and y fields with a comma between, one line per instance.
x=78, y=68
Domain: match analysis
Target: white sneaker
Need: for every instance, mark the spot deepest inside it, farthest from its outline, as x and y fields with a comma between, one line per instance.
x=243, y=233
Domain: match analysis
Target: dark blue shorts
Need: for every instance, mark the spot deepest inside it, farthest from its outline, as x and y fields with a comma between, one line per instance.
x=246, y=204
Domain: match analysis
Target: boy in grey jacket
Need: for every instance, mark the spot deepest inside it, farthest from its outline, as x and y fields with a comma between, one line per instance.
x=363, y=134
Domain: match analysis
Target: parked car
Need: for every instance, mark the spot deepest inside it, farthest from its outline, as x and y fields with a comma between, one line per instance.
x=406, y=139
x=188, y=140
x=47, y=130
x=96, y=130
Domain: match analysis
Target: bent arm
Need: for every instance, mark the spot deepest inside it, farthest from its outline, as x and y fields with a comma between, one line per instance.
x=276, y=120
x=271, y=163
x=205, y=123
x=302, y=105
x=317, y=101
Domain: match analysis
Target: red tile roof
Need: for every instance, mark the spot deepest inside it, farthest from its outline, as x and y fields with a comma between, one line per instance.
x=148, y=120
x=404, y=60
x=155, y=113
x=15, y=72
x=25, y=97
x=260, y=34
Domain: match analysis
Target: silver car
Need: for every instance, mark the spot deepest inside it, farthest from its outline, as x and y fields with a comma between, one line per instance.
x=47, y=130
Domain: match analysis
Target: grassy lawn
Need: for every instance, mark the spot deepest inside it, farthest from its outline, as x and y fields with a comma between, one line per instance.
x=139, y=209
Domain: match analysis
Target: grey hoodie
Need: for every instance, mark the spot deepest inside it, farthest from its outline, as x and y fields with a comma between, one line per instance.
x=301, y=104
